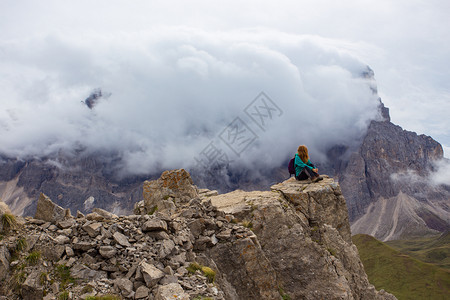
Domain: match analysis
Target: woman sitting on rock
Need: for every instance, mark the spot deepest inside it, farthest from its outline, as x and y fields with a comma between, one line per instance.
x=304, y=168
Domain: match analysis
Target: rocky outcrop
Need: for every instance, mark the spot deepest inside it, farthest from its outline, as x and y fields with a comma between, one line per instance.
x=293, y=241
x=304, y=233
x=173, y=186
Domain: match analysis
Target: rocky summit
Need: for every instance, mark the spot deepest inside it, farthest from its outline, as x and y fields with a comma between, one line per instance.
x=292, y=242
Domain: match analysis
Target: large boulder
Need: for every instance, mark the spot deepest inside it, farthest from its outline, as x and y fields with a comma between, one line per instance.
x=175, y=186
x=48, y=211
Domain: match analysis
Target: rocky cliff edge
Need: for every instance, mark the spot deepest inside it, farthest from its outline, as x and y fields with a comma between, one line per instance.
x=292, y=242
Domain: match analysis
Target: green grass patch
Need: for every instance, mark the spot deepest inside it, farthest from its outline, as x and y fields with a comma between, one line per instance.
x=434, y=249
x=8, y=221
x=153, y=210
x=332, y=251
x=193, y=267
x=207, y=271
x=64, y=295
x=63, y=275
x=283, y=295
x=399, y=274
x=21, y=244
x=87, y=289
x=43, y=278
x=33, y=257
x=247, y=224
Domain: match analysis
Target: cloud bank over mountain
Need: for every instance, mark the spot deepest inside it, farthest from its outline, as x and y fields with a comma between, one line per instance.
x=173, y=91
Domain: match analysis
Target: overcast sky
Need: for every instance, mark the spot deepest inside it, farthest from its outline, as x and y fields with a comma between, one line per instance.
x=217, y=56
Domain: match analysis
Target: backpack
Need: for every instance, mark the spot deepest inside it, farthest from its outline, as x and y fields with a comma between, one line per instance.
x=291, y=167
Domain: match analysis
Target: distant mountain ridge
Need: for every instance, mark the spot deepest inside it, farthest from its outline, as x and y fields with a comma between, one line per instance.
x=386, y=185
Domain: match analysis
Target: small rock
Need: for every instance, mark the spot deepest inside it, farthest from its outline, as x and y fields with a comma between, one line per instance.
x=94, y=217
x=107, y=251
x=69, y=251
x=141, y=292
x=93, y=229
x=62, y=239
x=105, y=214
x=224, y=235
x=121, y=239
x=53, y=228
x=159, y=235
x=124, y=285
x=83, y=246
x=70, y=262
x=167, y=247
x=151, y=274
x=154, y=225
x=171, y=291
x=64, y=224
x=168, y=279
x=197, y=226
x=36, y=221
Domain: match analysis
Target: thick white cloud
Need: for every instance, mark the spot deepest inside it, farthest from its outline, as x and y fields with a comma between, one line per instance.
x=208, y=60
x=175, y=90
x=442, y=175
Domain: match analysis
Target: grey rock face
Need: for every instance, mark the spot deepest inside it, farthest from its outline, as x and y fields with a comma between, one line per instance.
x=392, y=162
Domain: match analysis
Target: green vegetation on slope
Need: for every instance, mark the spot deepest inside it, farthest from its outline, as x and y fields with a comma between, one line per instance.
x=435, y=249
x=400, y=274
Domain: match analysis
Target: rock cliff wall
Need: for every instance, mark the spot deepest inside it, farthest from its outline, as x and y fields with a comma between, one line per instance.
x=293, y=241
x=387, y=188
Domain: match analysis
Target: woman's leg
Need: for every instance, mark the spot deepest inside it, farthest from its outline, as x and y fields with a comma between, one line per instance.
x=307, y=173
x=302, y=175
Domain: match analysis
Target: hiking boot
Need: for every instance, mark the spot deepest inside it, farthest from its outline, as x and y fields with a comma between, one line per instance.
x=317, y=178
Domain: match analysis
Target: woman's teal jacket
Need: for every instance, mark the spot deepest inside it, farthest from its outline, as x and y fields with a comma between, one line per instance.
x=300, y=165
